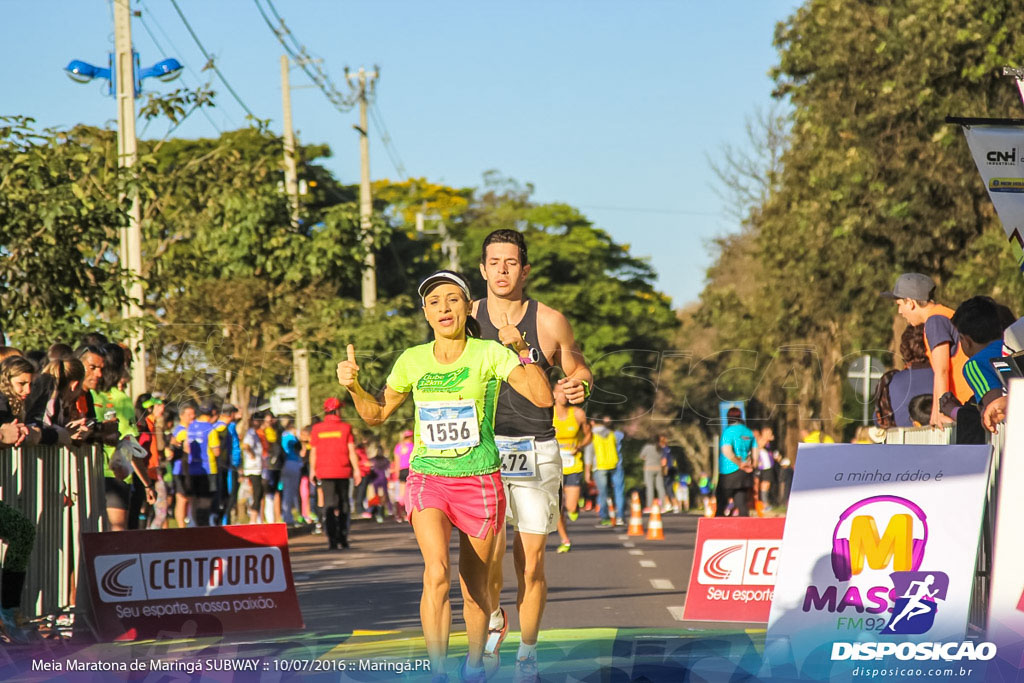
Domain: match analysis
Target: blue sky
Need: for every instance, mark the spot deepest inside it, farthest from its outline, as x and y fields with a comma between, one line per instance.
x=613, y=107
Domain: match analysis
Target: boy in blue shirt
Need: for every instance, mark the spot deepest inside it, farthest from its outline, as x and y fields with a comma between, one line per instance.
x=979, y=325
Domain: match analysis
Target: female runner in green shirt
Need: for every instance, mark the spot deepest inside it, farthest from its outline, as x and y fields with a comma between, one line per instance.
x=454, y=475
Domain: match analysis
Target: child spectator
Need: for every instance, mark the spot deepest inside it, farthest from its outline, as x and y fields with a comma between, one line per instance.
x=979, y=323
x=920, y=410
x=378, y=486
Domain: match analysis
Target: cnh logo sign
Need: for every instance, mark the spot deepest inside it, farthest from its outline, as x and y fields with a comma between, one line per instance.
x=895, y=547
x=1002, y=158
x=738, y=562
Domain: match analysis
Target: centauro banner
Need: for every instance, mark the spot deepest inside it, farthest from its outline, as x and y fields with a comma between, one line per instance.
x=204, y=581
x=879, y=546
x=998, y=150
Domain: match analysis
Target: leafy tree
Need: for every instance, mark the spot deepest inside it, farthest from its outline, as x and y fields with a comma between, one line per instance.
x=874, y=182
x=60, y=213
x=621, y=322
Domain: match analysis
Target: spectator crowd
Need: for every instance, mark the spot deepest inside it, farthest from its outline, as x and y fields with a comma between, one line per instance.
x=209, y=463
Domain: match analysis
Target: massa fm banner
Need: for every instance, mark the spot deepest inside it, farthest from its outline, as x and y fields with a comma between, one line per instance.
x=879, y=548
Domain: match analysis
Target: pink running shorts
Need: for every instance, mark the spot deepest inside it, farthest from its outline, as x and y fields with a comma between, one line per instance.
x=474, y=505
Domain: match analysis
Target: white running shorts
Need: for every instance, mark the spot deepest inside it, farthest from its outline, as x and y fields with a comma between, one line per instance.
x=533, y=503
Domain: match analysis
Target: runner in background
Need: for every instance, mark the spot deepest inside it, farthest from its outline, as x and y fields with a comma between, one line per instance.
x=151, y=437
x=305, y=483
x=273, y=463
x=704, y=488
x=608, y=471
x=403, y=451
x=179, y=468
x=252, y=468
x=203, y=444
x=526, y=326
x=573, y=434
x=682, y=492
x=231, y=457
x=764, y=464
x=334, y=465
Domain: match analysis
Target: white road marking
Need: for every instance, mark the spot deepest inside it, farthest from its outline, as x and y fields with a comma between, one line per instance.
x=623, y=537
x=635, y=552
x=676, y=612
x=649, y=564
x=628, y=545
x=662, y=584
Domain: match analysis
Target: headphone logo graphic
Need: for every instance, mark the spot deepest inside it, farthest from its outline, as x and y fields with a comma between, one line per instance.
x=841, y=565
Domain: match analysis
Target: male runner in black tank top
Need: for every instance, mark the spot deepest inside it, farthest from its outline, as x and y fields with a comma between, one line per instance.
x=532, y=483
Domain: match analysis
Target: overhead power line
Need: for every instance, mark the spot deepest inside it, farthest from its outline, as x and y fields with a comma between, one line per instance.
x=385, y=139
x=210, y=61
x=142, y=20
x=316, y=73
x=306, y=62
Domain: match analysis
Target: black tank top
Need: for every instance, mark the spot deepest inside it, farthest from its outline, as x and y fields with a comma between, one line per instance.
x=516, y=415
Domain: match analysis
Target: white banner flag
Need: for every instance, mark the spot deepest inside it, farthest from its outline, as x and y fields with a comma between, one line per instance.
x=998, y=151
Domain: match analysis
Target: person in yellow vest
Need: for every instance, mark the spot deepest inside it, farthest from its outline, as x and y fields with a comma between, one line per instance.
x=572, y=431
x=812, y=433
x=608, y=472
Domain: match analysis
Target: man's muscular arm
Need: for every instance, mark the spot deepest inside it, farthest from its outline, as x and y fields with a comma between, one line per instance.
x=567, y=354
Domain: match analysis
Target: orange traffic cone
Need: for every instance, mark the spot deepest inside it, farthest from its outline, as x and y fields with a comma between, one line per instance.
x=613, y=514
x=709, y=509
x=655, y=532
x=636, y=517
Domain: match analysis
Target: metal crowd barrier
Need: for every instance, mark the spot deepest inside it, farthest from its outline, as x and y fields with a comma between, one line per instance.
x=61, y=492
x=978, y=613
x=923, y=436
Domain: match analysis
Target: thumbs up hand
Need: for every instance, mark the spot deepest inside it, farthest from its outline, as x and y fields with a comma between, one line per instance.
x=348, y=370
x=509, y=335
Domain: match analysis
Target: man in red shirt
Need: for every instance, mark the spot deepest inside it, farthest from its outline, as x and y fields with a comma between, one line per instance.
x=333, y=463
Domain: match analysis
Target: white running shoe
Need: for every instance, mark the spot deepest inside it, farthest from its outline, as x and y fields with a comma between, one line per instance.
x=495, y=637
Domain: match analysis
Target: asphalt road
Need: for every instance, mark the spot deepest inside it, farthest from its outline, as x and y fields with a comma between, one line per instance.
x=608, y=579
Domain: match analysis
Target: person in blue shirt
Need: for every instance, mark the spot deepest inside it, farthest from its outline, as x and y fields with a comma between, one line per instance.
x=735, y=467
x=230, y=461
x=980, y=327
x=291, y=473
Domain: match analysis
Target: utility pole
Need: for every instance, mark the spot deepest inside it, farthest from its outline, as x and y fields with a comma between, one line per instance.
x=300, y=357
x=363, y=82
x=449, y=245
x=127, y=155
x=291, y=175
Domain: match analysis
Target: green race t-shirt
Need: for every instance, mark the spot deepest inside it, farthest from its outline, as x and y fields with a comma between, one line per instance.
x=121, y=404
x=476, y=376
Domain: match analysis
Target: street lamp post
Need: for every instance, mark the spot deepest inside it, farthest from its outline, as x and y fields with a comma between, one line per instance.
x=125, y=79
